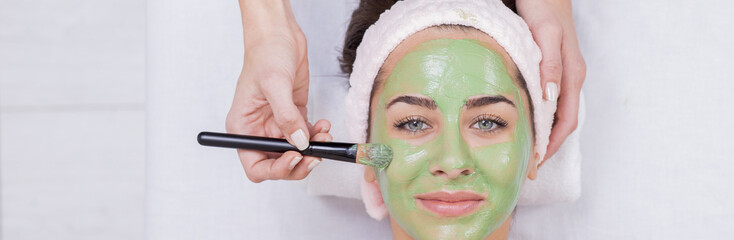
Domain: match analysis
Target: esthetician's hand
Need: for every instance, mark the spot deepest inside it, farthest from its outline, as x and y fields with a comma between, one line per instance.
x=272, y=91
x=551, y=23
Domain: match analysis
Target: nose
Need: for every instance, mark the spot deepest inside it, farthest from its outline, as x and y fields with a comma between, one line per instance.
x=455, y=160
x=437, y=171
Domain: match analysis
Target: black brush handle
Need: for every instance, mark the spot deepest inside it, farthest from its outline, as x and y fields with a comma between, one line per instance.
x=333, y=150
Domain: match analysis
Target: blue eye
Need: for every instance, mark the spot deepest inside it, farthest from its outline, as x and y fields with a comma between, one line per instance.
x=484, y=125
x=412, y=124
x=488, y=123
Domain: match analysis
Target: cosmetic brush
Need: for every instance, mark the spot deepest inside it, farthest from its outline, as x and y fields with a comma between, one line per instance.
x=370, y=154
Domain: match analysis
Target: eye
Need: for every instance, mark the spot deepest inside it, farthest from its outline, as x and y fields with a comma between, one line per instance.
x=484, y=125
x=488, y=123
x=412, y=124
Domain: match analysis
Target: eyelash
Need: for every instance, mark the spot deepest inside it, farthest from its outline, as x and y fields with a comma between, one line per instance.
x=501, y=123
x=400, y=124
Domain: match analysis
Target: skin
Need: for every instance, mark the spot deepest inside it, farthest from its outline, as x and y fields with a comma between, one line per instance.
x=454, y=145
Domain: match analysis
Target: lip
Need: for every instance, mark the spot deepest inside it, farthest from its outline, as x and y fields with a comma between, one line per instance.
x=450, y=203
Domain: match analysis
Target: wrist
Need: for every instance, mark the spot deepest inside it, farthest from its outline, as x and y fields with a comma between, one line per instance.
x=260, y=16
x=560, y=8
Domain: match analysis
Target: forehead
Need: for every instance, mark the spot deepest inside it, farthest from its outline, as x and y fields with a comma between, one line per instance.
x=453, y=68
x=445, y=32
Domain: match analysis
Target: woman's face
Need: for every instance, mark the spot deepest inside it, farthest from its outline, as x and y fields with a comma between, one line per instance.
x=460, y=133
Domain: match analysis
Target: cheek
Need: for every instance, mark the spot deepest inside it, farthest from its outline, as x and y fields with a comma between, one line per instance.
x=408, y=162
x=501, y=164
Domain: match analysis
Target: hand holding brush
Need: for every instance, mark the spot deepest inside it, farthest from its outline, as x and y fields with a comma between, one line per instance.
x=374, y=155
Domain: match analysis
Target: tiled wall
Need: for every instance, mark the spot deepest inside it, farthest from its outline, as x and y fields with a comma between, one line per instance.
x=72, y=119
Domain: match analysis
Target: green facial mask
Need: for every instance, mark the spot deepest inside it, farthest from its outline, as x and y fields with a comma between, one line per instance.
x=449, y=72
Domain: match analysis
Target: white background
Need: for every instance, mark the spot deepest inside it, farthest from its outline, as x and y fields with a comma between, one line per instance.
x=72, y=119
x=100, y=102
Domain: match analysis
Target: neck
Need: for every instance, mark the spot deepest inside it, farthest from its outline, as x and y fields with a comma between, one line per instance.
x=500, y=234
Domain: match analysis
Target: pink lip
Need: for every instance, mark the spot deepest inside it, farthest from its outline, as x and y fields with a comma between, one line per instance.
x=450, y=204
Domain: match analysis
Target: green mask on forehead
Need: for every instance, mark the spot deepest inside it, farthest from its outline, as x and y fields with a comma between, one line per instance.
x=450, y=71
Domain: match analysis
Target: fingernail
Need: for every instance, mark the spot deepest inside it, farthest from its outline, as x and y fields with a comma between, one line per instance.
x=329, y=139
x=295, y=161
x=313, y=164
x=299, y=139
x=551, y=91
x=325, y=129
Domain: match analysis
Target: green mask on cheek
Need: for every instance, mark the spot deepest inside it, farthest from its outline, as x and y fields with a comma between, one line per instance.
x=450, y=71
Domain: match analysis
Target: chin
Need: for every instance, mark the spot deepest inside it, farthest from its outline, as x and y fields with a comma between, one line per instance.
x=475, y=226
x=454, y=231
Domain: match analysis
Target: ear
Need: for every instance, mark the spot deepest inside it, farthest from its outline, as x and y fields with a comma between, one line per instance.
x=369, y=174
x=533, y=167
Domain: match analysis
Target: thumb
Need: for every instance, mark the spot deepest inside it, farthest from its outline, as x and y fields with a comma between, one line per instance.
x=292, y=124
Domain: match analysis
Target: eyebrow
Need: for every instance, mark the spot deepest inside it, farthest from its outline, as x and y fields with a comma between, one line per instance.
x=412, y=100
x=486, y=100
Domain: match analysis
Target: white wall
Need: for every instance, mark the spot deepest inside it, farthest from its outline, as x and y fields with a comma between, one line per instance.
x=72, y=119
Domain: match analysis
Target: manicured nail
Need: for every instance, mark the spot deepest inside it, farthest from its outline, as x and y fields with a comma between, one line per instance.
x=295, y=161
x=551, y=91
x=313, y=164
x=299, y=139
